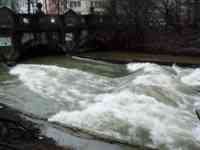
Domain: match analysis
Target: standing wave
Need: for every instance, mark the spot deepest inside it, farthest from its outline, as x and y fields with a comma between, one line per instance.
x=152, y=106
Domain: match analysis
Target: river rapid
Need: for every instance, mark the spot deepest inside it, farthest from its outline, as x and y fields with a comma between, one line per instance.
x=139, y=103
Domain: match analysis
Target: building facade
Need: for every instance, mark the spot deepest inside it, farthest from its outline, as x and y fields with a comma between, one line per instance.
x=79, y=6
x=50, y=6
x=25, y=6
x=84, y=6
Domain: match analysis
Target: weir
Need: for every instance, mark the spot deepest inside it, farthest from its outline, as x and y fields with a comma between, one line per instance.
x=150, y=105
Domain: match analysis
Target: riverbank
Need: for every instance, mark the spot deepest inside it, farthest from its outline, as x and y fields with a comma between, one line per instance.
x=185, y=57
x=131, y=56
x=18, y=133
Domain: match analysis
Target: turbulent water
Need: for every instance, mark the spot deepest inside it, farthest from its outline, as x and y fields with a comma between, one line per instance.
x=152, y=105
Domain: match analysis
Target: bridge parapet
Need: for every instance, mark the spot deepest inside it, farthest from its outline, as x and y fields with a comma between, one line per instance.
x=47, y=23
x=7, y=21
x=68, y=31
x=50, y=23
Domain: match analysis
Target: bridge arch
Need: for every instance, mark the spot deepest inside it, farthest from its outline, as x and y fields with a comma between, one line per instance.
x=7, y=20
x=40, y=33
x=33, y=47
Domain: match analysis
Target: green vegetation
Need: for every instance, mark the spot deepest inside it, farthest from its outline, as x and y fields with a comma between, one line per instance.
x=4, y=73
x=131, y=56
x=9, y=3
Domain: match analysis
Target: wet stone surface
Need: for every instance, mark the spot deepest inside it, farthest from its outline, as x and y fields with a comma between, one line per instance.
x=16, y=133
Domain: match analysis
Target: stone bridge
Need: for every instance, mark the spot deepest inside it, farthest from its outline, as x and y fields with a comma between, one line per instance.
x=69, y=32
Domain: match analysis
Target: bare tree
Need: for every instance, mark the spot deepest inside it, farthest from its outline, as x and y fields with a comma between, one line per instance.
x=63, y=5
x=134, y=13
x=196, y=6
x=167, y=10
x=131, y=11
x=171, y=12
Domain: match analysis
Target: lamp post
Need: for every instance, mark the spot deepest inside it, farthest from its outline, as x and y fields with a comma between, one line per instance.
x=29, y=6
x=58, y=5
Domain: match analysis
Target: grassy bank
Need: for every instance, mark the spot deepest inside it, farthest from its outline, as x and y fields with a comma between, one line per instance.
x=131, y=56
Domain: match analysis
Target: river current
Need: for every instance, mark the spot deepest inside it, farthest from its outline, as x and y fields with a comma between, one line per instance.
x=140, y=103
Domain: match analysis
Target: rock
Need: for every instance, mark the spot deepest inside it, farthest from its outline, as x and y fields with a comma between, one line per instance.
x=19, y=134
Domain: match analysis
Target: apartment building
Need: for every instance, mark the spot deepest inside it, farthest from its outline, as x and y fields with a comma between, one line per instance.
x=84, y=6
x=50, y=6
x=79, y=6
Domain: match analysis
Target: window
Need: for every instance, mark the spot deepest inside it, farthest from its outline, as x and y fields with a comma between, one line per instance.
x=92, y=4
x=74, y=4
x=79, y=3
x=97, y=4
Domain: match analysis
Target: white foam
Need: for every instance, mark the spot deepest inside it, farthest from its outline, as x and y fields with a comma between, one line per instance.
x=154, y=80
x=148, y=67
x=152, y=107
x=196, y=132
x=60, y=84
x=123, y=115
x=192, y=79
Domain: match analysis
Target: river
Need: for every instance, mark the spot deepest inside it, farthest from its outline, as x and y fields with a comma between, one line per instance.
x=138, y=103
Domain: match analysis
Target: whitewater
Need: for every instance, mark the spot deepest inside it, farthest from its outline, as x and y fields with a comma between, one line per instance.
x=153, y=105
